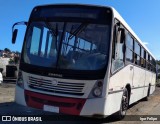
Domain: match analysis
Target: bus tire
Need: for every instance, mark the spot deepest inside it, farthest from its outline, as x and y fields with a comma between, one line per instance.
x=124, y=105
x=148, y=93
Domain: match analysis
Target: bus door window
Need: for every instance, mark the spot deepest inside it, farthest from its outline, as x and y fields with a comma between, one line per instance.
x=118, y=59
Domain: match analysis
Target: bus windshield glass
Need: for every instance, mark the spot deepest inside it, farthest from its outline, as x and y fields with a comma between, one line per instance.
x=67, y=44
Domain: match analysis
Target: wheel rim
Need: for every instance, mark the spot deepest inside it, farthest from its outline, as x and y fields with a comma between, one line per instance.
x=124, y=103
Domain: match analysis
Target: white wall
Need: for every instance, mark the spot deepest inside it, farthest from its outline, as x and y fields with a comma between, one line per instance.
x=3, y=63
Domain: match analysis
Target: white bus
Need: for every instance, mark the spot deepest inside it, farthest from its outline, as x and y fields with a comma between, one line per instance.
x=82, y=60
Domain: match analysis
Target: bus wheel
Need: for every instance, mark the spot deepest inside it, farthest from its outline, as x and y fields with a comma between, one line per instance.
x=148, y=93
x=124, y=105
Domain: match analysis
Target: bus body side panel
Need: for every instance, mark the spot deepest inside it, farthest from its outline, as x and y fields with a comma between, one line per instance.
x=153, y=83
x=148, y=79
x=117, y=83
x=145, y=91
x=113, y=103
x=138, y=84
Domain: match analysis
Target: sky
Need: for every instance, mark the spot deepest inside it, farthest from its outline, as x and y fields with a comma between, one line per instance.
x=143, y=16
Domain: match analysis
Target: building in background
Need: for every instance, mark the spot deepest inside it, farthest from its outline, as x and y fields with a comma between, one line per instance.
x=8, y=58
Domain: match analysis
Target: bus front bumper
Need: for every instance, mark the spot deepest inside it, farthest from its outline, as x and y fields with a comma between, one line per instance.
x=65, y=105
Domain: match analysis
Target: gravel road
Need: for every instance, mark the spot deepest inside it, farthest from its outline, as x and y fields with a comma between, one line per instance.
x=7, y=91
x=147, y=108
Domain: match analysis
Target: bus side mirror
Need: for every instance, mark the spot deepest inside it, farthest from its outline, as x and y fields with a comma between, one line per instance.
x=14, y=36
x=15, y=31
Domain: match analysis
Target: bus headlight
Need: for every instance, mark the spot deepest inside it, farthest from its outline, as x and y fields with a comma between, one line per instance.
x=97, y=90
x=20, y=82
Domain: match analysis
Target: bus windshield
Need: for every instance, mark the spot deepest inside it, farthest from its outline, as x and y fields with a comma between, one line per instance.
x=67, y=45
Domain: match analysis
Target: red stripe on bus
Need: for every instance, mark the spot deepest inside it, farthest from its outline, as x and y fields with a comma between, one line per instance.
x=72, y=106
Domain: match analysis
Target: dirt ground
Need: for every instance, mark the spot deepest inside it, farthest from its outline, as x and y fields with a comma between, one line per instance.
x=146, y=107
x=8, y=106
x=7, y=91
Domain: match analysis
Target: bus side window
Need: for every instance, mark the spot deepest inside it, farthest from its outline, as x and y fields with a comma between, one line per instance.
x=129, y=49
x=142, y=57
x=145, y=62
x=149, y=65
x=136, y=53
x=118, y=54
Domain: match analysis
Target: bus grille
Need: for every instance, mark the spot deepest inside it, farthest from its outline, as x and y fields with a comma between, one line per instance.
x=60, y=87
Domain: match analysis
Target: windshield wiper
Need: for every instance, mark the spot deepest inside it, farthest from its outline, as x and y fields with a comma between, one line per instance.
x=77, y=31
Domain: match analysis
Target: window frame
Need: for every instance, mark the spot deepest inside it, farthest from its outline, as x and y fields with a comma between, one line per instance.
x=142, y=55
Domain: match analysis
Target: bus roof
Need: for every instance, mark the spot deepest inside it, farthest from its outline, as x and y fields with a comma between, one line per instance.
x=117, y=15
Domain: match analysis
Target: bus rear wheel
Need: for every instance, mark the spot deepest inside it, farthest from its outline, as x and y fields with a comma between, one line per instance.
x=124, y=105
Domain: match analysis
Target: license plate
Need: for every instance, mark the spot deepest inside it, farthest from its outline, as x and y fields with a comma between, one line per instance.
x=51, y=108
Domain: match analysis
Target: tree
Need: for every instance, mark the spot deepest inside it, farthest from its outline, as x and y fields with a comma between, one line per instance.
x=7, y=50
x=16, y=59
x=17, y=52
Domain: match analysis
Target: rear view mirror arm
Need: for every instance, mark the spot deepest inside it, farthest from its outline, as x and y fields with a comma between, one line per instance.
x=19, y=23
x=14, y=31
